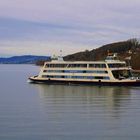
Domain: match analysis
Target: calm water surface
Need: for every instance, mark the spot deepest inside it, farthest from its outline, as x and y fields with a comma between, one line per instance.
x=60, y=112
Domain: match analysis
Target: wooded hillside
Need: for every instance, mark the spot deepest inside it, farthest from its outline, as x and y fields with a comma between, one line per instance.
x=129, y=48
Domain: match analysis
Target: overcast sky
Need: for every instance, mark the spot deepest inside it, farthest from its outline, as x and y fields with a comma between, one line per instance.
x=44, y=27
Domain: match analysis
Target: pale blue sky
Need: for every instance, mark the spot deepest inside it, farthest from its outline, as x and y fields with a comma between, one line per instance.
x=43, y=27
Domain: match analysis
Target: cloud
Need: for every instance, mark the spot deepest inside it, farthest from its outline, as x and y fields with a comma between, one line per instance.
x=40, y=48
x=79, y=23
x=64, y=11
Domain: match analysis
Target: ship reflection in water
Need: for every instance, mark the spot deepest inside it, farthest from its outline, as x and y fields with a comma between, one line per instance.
x=83, y=112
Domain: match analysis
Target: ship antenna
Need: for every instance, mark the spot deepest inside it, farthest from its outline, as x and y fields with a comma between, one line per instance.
x=60, y=58
x=61, y=53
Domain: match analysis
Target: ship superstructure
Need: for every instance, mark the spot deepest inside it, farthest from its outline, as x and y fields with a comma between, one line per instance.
x=111, y=71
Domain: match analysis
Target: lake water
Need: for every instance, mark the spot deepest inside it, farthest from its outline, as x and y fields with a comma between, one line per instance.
x=64, y=112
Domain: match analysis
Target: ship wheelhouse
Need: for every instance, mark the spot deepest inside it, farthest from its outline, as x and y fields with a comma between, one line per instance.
x=118, y=68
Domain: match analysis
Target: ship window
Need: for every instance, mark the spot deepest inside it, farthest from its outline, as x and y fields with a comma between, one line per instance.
x=68, y=77
x=102, y=77
x=97, y=65
x=47, y=65
x=100, y=72
x=75, y=71
x=44, y=70
x=106, y=78
x=76, y=77
x=121, y=74
x=56, y=65
x=99, y=77
x=58, y=76
x=77, y=65
x=47, y=76
x=66, y=65
x=82, y=77
x=44, y=76
x=117, y=65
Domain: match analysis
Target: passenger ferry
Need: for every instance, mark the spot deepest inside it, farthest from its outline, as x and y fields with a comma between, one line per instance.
x=111, y=71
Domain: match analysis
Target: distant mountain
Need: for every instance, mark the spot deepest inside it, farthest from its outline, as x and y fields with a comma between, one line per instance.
x=123, y=49
x=25, y=59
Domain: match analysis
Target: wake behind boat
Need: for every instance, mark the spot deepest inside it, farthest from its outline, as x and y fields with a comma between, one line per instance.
x=111, y=71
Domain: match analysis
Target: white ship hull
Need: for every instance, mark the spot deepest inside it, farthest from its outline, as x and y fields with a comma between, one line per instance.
x=127, y=82
x=108, y=72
